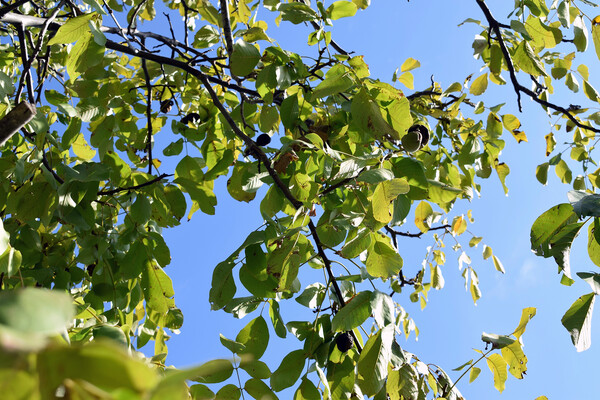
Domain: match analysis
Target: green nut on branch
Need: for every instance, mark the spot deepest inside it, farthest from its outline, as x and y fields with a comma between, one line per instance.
x=415, y=139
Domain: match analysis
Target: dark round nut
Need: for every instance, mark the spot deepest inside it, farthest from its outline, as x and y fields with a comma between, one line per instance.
x=263, y=139
x=422, y=129
x=191, y=117
x=344, y=341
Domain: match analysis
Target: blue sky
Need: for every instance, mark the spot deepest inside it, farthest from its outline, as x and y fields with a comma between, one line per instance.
x=450, y=326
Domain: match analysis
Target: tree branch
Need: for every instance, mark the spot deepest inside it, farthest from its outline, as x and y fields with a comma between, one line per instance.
x=413, y=235
x=224, y=5
x=495, y=26
x=126, y=189
x=11, y=7
x=148, y=113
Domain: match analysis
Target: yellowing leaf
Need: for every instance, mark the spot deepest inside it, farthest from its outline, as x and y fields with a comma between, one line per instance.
x=479, y=85
x=82, y=149
x=550, y=143
x=409, y=65
x=503, y=170
x=497, y=264
x=423, y=215
x=474, y=374
x=487, y=252
x=526, y=315
x=498, y=367
x=563, y=172
x=384, y=194
x=459, y=225
x=341, y=9
x=72, y=30
x=515, y=358
x=407, y=80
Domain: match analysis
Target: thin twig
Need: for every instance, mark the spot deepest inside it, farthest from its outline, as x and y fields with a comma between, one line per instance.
x=126, y=189
x=495, y=26
x=414, y=235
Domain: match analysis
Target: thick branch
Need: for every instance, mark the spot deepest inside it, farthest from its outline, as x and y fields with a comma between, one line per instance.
x=226, y=25
x=15, y=120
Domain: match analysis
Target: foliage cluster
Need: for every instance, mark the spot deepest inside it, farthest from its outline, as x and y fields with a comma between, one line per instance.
x=339, y=160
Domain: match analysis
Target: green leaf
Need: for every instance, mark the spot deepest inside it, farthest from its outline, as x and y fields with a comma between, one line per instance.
x=255, y=336
x=73, y=29
x=498, y=367
x=590, y=92
x=584, y=204
x=231, y=345
x=255, y=368
x=85, y=54
x=223, y=286
x=307, y=391
x=228, y=392
x=367, y=116
x=214, y=371
x=103, y=365
x=296, y=13
x=384, y=194
x=259, y=390
x=341, y=9
x=29, y=315
x=383, y=309
x=373, y=362
x=337, y=80
x=157, y=288
x=141, y=210
x=541, y=173
x=526, y=59
x=276, y=320
x=353, y=314
x=547, y=225
x=288, y=371
x=403, y=383
x=581, y=34
x=382, y=259
x=357, y=244
x=543, y=36
x=244, y=58
x=563, y=11
x=592, y=279
x=578, y=321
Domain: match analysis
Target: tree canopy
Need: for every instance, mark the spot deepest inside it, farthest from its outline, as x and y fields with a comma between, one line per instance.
x=119, y=116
